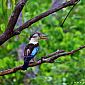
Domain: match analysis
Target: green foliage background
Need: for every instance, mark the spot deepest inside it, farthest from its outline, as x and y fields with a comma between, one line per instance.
x=66, y=70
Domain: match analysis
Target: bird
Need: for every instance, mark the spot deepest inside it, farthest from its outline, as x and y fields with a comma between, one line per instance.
x=32, y=48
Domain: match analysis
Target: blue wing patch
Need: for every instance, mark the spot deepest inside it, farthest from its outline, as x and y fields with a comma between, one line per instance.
x=35, y=50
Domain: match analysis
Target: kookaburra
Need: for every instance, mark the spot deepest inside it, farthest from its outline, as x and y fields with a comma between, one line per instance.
x=32, y=48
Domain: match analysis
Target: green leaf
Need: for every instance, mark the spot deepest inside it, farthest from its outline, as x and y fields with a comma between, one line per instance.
x=2, y=26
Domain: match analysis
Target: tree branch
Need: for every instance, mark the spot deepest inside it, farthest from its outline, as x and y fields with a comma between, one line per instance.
x=6, y=35
x=12, y=22
x=43, y=15
x=46, y=59
x=14, y=17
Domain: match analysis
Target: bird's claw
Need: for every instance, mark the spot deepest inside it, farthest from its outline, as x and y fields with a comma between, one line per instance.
x=51, y=61
x=34, y=60
x=42, y=59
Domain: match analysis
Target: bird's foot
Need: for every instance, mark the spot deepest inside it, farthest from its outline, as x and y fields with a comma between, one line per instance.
x=42, y=59
x=51, y=61
x=34, y=60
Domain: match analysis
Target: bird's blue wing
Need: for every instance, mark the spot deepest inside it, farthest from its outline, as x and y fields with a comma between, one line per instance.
x=35, y=50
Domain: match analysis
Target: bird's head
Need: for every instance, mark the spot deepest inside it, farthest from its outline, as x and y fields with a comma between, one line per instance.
x=34, y=38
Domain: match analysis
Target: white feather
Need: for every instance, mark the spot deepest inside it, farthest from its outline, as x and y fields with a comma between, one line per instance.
x=28, y=51
x=33, y=40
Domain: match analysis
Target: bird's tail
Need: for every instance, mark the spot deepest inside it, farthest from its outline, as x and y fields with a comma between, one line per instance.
x=26, y=62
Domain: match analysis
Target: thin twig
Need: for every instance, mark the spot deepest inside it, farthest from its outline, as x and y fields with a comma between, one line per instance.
x=68, y=14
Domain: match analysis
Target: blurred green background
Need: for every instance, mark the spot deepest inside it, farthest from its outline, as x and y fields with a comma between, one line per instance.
x=67, y=70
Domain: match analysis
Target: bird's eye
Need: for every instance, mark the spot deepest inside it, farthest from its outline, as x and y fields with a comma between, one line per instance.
x=34, y=36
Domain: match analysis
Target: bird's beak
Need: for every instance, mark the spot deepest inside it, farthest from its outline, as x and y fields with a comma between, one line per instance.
x=44, y=37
